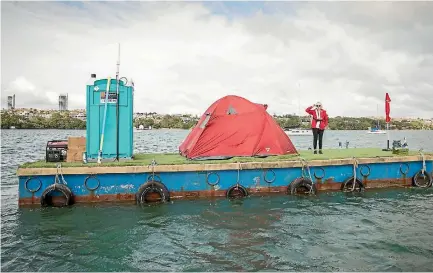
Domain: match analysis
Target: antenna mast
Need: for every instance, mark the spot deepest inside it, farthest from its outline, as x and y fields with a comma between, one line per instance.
x=299, y=99
x=299, y=104
x=118, y=64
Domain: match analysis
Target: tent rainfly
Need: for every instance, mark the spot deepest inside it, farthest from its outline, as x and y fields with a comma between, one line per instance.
x=233, y=126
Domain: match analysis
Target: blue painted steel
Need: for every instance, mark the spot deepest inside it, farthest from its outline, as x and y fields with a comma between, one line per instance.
x=196, y=181
x=95, y=116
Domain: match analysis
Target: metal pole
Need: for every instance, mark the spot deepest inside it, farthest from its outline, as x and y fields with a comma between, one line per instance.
x=117, y=105
x=103, y=123
x=387, y=132
x=299, y=105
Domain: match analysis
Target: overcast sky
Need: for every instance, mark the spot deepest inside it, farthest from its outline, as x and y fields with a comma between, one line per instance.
x=184, y=56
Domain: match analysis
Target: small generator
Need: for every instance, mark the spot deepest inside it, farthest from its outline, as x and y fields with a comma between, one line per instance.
x=56, y=151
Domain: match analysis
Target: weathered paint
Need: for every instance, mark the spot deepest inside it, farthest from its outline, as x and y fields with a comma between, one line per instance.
x=121, y=186
x=215, y=166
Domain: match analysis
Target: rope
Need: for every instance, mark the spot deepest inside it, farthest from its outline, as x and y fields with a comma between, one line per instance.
x=56, y=179
x=305, y=164
x=239, y=168
x=355, y=165
x=153, y=164
x=424, y=168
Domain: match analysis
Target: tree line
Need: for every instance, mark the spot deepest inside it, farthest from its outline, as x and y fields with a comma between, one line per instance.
x=352, y=123
x=167, y=121
x=62, y=120
x=58, y=120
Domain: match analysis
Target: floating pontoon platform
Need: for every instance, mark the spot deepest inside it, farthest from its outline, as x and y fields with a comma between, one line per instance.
x=165, y=177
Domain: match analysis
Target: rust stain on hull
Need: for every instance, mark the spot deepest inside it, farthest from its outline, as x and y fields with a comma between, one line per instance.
x=210, y=194
x=384, y=183
x=368, y=184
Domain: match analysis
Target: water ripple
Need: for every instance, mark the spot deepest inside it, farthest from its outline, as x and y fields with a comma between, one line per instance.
x=374, y=231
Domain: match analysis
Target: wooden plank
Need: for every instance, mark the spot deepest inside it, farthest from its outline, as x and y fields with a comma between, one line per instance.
x=215, y=167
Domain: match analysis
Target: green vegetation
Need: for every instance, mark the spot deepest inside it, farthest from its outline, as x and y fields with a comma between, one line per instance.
x=58, y=120
x=351, y=123
x=62, y=120
x=176, y=159
x=292, y=121
x=167, y=121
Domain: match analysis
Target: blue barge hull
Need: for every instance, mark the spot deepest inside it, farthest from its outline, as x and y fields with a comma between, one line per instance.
x=170, y=182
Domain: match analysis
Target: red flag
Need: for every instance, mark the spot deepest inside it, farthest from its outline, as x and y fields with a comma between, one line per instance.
x=387, y=108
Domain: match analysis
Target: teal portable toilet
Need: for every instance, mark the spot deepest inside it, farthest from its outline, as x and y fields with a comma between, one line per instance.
x=95, y=110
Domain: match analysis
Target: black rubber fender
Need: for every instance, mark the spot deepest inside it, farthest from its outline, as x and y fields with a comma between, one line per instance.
x=347, y=185
x=236, y=191
x=418, y=175
x=302, y=183
x=149, y=187
x=65, y=190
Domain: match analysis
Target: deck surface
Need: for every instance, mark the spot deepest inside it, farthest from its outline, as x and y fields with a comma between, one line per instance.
x=176, y=159
x=176, y=163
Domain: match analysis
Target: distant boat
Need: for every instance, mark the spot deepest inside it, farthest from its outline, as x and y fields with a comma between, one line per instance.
x=299, y=132
x=141, y=127
x=375, y=131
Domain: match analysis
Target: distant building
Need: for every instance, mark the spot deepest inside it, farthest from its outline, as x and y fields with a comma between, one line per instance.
x=186, y=119
x=24, y=113
x=11, y=102
x=63, y=102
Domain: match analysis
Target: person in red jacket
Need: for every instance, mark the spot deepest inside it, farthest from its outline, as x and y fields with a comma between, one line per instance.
x=319, y=122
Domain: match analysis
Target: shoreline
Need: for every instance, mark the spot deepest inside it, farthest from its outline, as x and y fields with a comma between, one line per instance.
x=180, y=129
x=64, y=120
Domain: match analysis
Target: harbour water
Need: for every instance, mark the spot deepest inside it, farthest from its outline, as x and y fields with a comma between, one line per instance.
x=380, y=230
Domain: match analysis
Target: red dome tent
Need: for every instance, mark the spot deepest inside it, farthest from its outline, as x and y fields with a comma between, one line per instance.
x=233, y=126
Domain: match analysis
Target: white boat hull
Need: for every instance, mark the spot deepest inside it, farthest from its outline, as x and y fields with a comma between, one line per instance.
x=299, y=132
x=376, y=132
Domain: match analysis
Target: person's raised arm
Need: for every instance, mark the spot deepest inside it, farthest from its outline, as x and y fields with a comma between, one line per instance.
x=310, y=109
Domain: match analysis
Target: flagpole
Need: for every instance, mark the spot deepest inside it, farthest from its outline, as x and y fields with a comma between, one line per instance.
x=387, y=119
x=387, y=132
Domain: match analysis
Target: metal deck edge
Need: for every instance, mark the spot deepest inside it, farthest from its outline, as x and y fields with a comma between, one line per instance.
x=217, y=166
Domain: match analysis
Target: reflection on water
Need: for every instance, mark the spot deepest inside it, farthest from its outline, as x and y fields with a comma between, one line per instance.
x=381, y=230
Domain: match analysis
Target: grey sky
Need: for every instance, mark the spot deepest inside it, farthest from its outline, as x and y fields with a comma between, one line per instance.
x=184, y=56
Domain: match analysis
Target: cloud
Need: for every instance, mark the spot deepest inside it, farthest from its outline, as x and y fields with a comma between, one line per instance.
x=184, y=56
